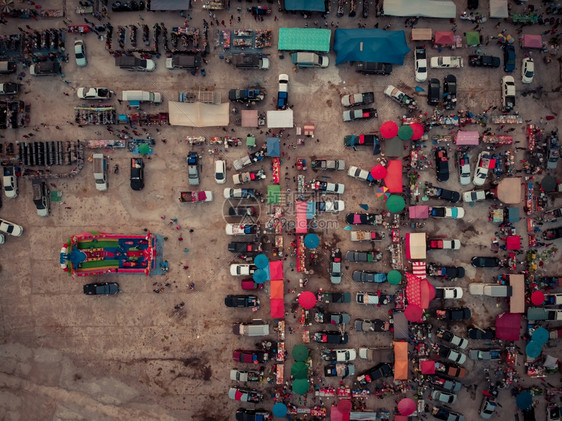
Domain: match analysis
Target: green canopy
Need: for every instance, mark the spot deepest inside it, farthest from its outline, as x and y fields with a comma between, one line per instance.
x=395, y=203
x=304, y=39
x=405, y=132
x=144, y=148
x=273, y=194
x=250, y=141
x=394, y=277
x=300, y=386
x=300, y=353
x=472, y=38
x=299, y=370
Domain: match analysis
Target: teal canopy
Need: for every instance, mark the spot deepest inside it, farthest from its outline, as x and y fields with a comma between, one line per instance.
x=304, y=39
x=371, y=45
x=305, y=5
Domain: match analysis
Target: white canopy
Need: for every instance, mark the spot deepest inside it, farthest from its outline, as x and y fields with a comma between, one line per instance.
x=282, y=119
x=498, y=9
x=198, y=114
x=425, y=8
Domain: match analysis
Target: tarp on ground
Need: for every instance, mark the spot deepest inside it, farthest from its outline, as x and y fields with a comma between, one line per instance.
x=273, y=194
x=509, y=190
x=517, y=299
x=400, y=326
x=467, y=138
x=250, y=118
x=276, y=270
x=371, y=45
x=425, y=8
x=418, y=212
x=170, y=5
x=273, y=148
x=472, y=38
x=198, y=114
x=304, y=39
x=277, y=301
x=394, y=147
x=310, y=210
x=400, y=360
x=532, y=41
x=444, y=38
x=281, y=119
x=508, y=326
x=415, y=245
x=301, y=225
x=393, y=179
x=305, y=5
x=498, y=9
x=513, y=214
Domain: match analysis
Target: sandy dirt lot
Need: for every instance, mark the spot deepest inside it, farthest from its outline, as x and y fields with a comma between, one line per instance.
x=68, y=356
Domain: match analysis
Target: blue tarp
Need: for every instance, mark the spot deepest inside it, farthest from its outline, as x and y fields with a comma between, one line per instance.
x=273, y=148
x=306, y=5
x=310, y=210
x=371, y=45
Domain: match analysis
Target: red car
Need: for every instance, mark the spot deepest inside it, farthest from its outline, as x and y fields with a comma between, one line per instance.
x=250, y=357
x=249, y=284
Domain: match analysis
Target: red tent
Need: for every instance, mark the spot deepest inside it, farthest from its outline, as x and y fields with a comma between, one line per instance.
x=419, y=291
x=393, y=179
x=532, y=41
x=513, y=242
x=418, y=212
x=277, y=301
x=276, y=270
x=378, y=172
x=341, y=412
x=508, y=326
x=407, y=406
x=427, y=367
x=418, y=131
x=444, y=38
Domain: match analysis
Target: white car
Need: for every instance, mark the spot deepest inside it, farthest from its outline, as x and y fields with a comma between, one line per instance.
x=448, y=293
x=94, y=93
x=331, y=206
x=482, y=167
x=242, y=269
x=420, y=59
x=341, y=355
x=11, y=228
x=2, y=239
x=220, y=171
x=358, y=173
x=446, y=62
x=335, y=188
x=10, y=182
x=455, y=213
x=528, y=70
x=80, y=53
x=474, y=196
x=464, y=170
x=508, y=93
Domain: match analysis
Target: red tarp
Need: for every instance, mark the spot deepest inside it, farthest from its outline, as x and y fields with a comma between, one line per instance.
x=418, y=212
x=276, y=270
x=532, y=41
x=444, y=38
x=513, y=242
x=427, y=367
x=508, y=326
x=341, y=412
x=468, y=138
x=393, y=179
x=301, y=227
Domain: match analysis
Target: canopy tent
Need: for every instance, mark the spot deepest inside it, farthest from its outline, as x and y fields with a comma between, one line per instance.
x=299, y=370
x=371, y=45
x=198, y=114
x=537, y=298
x=405, y=132
x=415, y=245
x=342, y=411
x=533, y=349
x=512, y=214
x=301, y=224
x=418, y=131
x=472, y=38
x=421, y=8
x=378, y=172
x=310, y=210
x=509, y=190
x=513, y=242
x=305, y=5
x=301, y=386
x=394, y=147
x=413, y=313
x=273, y=148
x=249, y=118
x=273, y=194
x=393, y=179
x=307, y=299
x=419, y=291
x=277, y=301
x=400, y=360
x=508, y=326
x=276, y=270
x=400, y=325
x=311, y=241
x=300, y=352
x=250, y=141
x=467, y=138
x=427, y=367
x=304, y=39
x=389, y=129
x=422, y=34
x=498, y=9
x=280, y=119
x=407, y=406
x=444, y=38
x=419, y=269
x=517, y=299
x=548, y=183
x=170, y=5
x=418, y=212
x=532, y=41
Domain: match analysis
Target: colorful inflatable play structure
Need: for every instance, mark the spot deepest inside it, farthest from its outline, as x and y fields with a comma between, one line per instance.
x=96, y=253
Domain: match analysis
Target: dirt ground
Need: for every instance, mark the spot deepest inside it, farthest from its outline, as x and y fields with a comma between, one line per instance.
x=68, y=356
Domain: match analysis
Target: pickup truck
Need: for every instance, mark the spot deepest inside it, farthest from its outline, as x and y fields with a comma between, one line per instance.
x=552, y=215
x=483, y=61
x=242, y=162
x=246, y=177
x=193, y=169
x=552, y=233
x=373, y=298
x=377, y=354
x=446, y=62
x=359, y=114
x=366, y=236
x=10, y=182
x=355, y=100
x=372, y=140
x=237, y=229
x=283, y=92
x=9, y=88
x=440, y=193
x=369, y=68
x=400, y=97
x=328, y=164
x=446, y=272
x=196, y=196
x=327, y=187
x=246, y=95
x=333, y=297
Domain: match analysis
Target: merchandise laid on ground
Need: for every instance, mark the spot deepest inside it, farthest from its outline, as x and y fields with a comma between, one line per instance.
x=251, y=137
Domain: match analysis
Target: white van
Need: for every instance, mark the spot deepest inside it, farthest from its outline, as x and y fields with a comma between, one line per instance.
x=100, y=171
x=256, y=328
x=142, y=96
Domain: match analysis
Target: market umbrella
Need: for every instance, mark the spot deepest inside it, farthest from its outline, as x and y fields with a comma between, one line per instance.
x=395, y=203
x=261, y=261
x=300, y=386
x=417, y=131
x=299, y=370
x=405, y=132
x=389, y=129
x=394, y=277
x=537, y=298
x=413, y=313
x=378, y=172
x=144, y=148
x=407, y=406
x=548, y=183
x=382, y=192
x=299, y=352
x=260, y=276
x=533, y=349
x=524, y=400
x=311, y=241
x=540, y=336
x=307, y=300
x=279, y=410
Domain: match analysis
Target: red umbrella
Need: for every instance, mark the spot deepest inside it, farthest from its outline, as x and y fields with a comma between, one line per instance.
x=418, y=131
x=389, y=129
x=537, y=298
x=413, y=313
x=407, y=406
x=378, y=172
x=307, y=300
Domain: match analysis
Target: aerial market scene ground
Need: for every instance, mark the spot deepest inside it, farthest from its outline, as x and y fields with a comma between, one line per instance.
x=255, y=210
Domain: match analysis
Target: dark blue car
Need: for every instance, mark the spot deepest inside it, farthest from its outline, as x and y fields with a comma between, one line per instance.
x=509, y=58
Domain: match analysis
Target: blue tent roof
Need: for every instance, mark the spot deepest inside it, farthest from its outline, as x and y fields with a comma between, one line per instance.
x=306, y=5
x=371, y=45
x=273, y=148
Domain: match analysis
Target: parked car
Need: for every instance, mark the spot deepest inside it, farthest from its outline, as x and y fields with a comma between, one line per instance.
x=356, y=100
x=94, y=93
x=464, y=169
x=328, y=164
x=445, y=212
x=448, y=293
x=245, y=375
x=487, y=408
x=445, y=397
x=339, y=370
x=80, y=53
x=451, y=354
x=363, y=256
x=331, y=337
x=477, y=333
x=333, y=206
x=508, y=93
x=10, y=228
x=474, y=196
x=193, y=169
x=439, y=244
x=400, y=97
x=485, y=354
x=379, y=371
x=241, y=229
x=439, y=193
x=446, y=414
x=340, y=355
x=10, y=182
x=41, y=197
x=553, y=151
x=528, y=70
x=375, y=325
x=103, y=288
x=249, y=357
x=353, y=141
x=362, y=218
x=446, y=62
x=243, y=247
x=509, y=58
x=367, y=276
x=442, y=164
x=445, y=272
x=229, y=193
x=220, y=171
x=359, y=114
x=490, y=290
x=324, y=186
x=482, y=167
x=137, y=174
x=245, y=395
x=246, y=96
x=336, y=267
x=433, y=91
x=243, y=414
x=248, y=284
x=450, y=92
x=420, y=60
x=242, y=269
x=324, y=317
x=9, y=88
x=445, y=384
x=370, y=68
x=374, y=298
x=450, y=369
x=360, y=174
x=552, y=233
x=242, y=301
x=483, y=61
x=553, y=412
x=241, y=211
x=333, y=297
x=451, y=338
x=485, y=262
x=454, y=314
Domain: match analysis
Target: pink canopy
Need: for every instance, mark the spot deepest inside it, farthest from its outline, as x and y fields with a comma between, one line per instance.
x=444, y=38
x=418, y=291
x=513, y=242
x=467, y=138
x=418, y=212
x=508, y=326
x=537, y=298
x=301, y=225
x=427, y=366
x=378, y=172
x=307, y=300
x=418, y=131
x=341, y=412
x=407, y=406
x=276, y=270
x=389, y=129
x=532, y=41
x=413, y=313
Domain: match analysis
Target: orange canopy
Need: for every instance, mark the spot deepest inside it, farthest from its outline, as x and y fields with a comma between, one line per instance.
x=400, y=360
